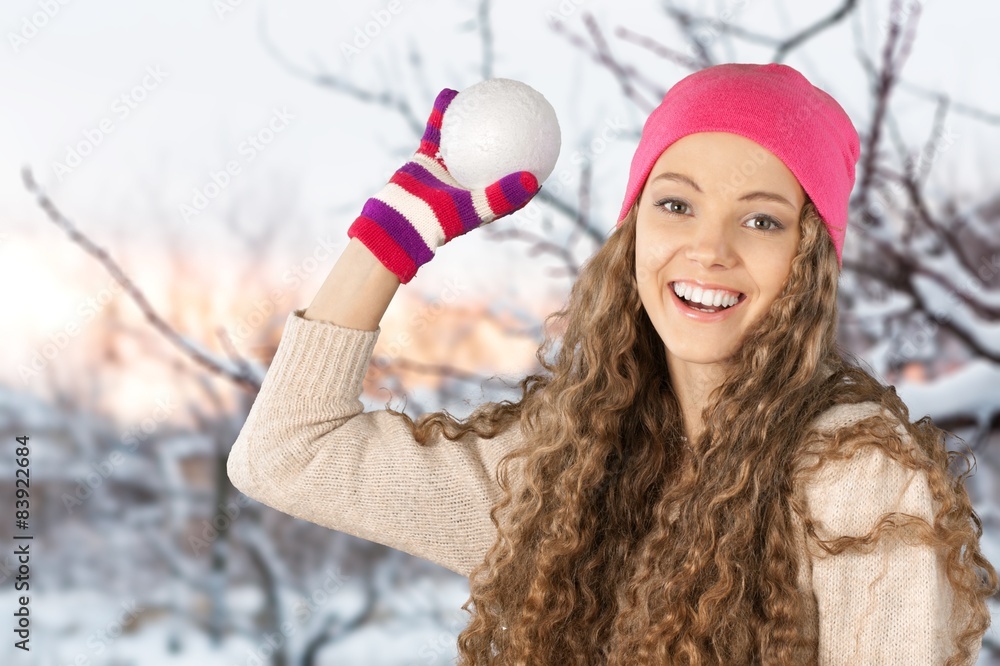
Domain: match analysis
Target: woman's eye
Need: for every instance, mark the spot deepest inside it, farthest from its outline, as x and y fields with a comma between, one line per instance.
x=763, y=223
x=671, y=206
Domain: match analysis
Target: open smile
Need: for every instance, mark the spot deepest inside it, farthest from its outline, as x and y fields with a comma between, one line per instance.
x=705, y=302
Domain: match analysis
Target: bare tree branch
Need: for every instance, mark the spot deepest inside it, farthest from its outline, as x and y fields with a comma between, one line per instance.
x=486, y=39
x=688, y=29
x=901, y=281
x=236, y=373
x=892, y=64
x=958, y=107
x=416, y=61
x=583, y=218
x=690, y=23
x=628, y=71
x=567, y=209
x=659, y=49
x=800, y=38
x=541, y=245
x=605, y=58
x=910, y=266
x=386, y=98
x=919, y=205
x=919, y=171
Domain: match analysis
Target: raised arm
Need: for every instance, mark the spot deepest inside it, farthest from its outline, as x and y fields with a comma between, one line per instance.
x=356, y=293
x=307, y=447
x=309, y=450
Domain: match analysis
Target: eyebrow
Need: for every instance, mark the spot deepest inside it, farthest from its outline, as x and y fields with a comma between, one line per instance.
x=757, y=195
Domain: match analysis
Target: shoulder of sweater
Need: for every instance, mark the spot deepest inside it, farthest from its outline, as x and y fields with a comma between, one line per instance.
x=848, y=493
x=872, y=460
x=846, y=414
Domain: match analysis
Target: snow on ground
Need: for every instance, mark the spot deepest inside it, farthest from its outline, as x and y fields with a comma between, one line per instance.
x=91, y=628
x=974, y=388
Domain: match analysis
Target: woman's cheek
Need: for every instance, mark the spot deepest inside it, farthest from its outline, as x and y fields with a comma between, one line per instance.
x=653, y=256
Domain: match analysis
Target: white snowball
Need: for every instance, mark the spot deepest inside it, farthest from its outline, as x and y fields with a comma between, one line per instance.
x=497, y=127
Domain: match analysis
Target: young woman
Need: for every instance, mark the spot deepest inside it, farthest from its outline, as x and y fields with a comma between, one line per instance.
x=699, y=477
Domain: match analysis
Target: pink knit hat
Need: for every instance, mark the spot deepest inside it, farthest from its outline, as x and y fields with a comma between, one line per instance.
x=773, y=105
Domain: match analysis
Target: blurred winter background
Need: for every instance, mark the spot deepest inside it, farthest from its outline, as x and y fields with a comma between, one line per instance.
x=176, y=177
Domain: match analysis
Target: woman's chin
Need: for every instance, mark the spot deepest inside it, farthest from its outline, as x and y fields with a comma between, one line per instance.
x=700, y=354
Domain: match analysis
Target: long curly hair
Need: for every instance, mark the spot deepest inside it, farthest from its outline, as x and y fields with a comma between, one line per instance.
x=620, y=543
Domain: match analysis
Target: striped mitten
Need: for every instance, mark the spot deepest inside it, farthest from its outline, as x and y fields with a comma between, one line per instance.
x=422, y=207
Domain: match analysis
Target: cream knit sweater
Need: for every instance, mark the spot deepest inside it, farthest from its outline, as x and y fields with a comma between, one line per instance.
x=309, y=450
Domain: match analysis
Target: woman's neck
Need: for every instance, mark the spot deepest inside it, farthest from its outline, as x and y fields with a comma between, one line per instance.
x=693, y=383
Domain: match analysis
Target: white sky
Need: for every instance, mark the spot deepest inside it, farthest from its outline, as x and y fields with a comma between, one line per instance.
x=221, y=85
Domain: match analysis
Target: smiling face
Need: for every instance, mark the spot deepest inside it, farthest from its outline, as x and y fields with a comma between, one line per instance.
x=716, y=232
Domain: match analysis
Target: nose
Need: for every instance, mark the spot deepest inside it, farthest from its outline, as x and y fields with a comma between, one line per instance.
x=710, y=244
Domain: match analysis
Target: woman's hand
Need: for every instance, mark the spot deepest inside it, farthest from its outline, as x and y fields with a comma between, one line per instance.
x=422, y=207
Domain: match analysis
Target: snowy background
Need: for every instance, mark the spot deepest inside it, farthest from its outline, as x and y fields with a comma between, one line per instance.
x=145, y=291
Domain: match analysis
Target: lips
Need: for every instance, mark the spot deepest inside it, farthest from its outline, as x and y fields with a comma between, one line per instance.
x=708, y=299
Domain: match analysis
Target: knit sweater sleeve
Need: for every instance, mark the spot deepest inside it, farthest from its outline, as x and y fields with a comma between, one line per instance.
x=889, y=606
x=308, y=449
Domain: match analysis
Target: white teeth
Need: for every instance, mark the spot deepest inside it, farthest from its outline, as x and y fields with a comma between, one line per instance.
x=709, y=297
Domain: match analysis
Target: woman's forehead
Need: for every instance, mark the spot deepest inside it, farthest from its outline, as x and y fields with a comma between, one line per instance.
x=723, y=159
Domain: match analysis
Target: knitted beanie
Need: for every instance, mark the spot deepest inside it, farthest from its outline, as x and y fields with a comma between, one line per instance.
x=773, y=105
